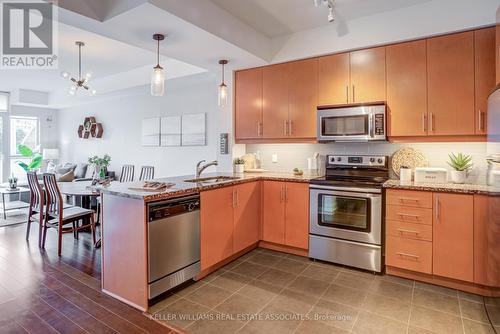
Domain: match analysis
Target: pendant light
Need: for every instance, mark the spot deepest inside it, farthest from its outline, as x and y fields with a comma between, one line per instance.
x=222, y=86
x=158, y=77
x=79, y=81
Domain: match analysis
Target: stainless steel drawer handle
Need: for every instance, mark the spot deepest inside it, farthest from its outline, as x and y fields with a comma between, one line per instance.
x=408, y=255
x=406, y=199
x=403, y=215
x=402, y=230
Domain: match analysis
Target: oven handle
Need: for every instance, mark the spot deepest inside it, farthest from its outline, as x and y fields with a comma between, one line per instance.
x=348, y=194
x=352, y=191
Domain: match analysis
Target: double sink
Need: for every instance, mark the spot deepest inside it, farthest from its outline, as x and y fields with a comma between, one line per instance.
x=213, y=179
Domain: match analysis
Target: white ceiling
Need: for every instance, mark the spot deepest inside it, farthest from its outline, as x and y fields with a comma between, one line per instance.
x=280, y=17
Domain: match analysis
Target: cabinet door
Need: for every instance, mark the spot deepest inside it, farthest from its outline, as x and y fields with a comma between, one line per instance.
x=486, y=237
x=452, y=247
x=273, y=227
x=216, y=225
x=275, y=100
x=303, y=98
x=450, y=84
x=333, y=77
x=368, y=75
x=297, y=215
x=247, y=214
x=484, y=61
x=497, y=51
x=248, y=103
x=407, y=88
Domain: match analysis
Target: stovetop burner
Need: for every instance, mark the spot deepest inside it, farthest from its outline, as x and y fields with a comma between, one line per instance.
x=360, y=171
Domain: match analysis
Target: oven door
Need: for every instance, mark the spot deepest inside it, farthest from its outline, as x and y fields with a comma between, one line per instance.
x=347, y=215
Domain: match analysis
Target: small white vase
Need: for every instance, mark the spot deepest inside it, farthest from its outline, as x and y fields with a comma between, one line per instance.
x=458, y=176
x=239, y=168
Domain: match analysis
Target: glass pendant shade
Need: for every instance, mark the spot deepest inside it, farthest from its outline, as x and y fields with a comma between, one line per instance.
x=222, y=95
x=158, y=82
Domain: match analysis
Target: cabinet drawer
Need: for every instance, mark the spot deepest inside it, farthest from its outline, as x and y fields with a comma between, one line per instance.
x=409, y=214
x=409, y=230
x=420, y=199
x=415, y=255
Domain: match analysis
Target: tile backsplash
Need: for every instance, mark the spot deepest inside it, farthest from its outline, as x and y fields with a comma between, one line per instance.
x=295, y=155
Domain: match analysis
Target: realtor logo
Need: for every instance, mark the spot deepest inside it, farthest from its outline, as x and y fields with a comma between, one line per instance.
x=28, y=35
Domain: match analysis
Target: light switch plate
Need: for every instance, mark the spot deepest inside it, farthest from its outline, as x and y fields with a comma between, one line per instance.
x=275, y=158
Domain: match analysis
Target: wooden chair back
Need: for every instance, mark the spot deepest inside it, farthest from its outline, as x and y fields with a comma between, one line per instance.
x=36, y=193
x=54, y=200
x=127, y=174
x=147, y=173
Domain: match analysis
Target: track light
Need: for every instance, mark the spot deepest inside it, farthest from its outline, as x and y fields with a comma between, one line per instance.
x=330, y=5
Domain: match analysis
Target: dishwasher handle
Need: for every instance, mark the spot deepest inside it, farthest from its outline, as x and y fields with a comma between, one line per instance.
x=170, y=208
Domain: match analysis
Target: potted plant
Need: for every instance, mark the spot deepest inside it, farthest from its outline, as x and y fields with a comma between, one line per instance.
x=461, y=164
x=100, y=165
x=34, y=156
x=239, y=165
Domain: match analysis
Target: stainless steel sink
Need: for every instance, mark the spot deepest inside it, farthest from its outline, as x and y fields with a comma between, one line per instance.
x=213, y=179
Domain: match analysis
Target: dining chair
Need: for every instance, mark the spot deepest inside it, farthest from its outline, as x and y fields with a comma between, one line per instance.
x=56, y=216
x=35, y=209
x=127, y=174
x=147, y=173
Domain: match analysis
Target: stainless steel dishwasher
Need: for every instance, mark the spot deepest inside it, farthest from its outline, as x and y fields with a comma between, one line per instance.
x=173, y=243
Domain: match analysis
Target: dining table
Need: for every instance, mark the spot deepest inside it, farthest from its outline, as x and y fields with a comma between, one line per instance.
x=82, y=193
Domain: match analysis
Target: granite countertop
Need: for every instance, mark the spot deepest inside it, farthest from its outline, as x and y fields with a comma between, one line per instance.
x=466, y=188
x=182, y=188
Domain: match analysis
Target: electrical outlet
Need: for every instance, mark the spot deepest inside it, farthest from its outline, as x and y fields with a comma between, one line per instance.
x=275, y=158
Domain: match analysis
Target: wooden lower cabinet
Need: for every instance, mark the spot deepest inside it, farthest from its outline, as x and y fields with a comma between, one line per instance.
x=217, y=227
x=247, y=213
x=487, y=240
x=410, y=254
x=286, y=213
x=453, y=236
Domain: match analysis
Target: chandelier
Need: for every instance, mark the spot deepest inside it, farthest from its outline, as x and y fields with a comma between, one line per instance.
x=80, y=81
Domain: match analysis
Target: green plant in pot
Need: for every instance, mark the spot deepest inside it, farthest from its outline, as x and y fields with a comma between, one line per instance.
x=239, y=165
x=100, y=165
x=34, y=156
x=461, y=164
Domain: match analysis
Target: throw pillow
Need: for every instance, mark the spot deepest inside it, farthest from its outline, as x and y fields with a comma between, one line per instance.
x=64, y=169
x=80, y=170
x=68, y=177
x=89, y=173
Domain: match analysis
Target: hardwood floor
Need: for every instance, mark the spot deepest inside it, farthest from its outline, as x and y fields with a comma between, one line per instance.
x=42, y=293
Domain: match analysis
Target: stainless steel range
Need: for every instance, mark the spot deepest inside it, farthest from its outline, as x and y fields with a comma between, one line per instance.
x=345, y=223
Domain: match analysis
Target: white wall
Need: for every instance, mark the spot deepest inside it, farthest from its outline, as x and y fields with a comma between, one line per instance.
x=121, y=119
x=418, y=21
x=295, y=155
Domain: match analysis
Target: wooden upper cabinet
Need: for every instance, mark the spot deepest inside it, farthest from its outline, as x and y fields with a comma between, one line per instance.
x=453, y=236
x=275, y=81
x=497, y=52
x=303, y=98
x=248, y=104
x=450, y=84
x=273, y=199
x=486, y=237
x=333, y=77
x=247, y=215
x=484, y=56
x=407, y=88
x=297, y=215
x=368, y=81
x=216, y=225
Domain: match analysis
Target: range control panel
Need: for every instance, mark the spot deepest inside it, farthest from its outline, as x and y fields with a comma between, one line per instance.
x=357, y=160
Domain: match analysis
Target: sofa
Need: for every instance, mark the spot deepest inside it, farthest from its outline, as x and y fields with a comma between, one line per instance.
x=75, y=172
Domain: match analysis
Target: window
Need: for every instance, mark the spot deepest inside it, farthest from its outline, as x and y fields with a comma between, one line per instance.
x=4, y=102
x=23, y=130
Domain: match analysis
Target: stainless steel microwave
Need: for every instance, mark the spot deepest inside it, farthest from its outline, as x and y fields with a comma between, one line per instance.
x=352, y=123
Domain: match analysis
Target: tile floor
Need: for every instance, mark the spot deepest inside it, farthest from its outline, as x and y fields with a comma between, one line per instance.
x=271, y=292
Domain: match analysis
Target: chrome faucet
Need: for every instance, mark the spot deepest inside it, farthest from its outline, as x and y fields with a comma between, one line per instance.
x=200, y=168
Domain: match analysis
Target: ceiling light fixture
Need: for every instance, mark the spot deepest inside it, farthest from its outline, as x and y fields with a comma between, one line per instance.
x=158, y=77
x=222, y=86
x=330, y=4
x=79, y=82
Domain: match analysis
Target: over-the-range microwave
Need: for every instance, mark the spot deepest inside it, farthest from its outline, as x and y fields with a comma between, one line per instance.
x=358, y=123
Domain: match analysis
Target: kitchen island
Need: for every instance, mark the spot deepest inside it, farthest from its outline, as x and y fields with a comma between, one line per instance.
x=125, y=224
